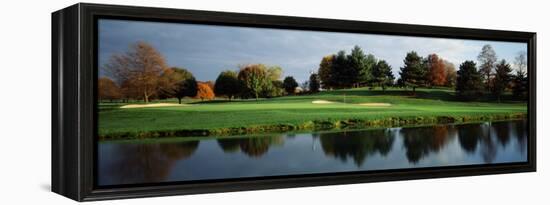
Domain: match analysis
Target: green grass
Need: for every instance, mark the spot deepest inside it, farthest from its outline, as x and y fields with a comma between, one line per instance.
x=298, y=112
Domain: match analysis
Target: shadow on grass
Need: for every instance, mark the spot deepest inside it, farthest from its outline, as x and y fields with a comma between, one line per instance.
x=432, y=94
x=441, y=94
x=214, y=101
x=219, y=101
x=444, y=95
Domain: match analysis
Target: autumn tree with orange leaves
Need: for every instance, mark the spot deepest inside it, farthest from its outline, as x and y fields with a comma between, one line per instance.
x=437, y=75
x=204, y=92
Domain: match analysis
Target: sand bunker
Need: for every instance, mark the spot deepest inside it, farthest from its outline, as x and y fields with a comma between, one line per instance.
x=153, y=105
x=362, y=104
x=375, y=104
x=321, y=102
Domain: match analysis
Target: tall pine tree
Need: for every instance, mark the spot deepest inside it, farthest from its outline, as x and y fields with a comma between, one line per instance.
x=502, y=78
x=414, y=72
x=341, y=75
x=358, y=71
x=382, y=74
x=468, y=81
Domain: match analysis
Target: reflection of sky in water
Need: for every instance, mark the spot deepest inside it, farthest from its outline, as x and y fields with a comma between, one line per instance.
x=381, y=149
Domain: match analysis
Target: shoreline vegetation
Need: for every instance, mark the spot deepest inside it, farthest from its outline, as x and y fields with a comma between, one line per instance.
x=293, y=132
x=317, y=125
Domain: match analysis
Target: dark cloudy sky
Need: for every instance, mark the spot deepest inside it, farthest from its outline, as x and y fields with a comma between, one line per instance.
x=207, y=50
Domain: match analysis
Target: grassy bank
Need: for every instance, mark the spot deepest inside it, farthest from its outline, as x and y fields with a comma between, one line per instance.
x=346, y=109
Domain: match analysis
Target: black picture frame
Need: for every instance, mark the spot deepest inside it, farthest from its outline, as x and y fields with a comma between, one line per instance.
x=74, y=120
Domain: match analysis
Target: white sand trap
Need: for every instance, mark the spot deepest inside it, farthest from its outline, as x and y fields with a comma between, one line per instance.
x=375, y=104
x=153, y=105
x=321, y=102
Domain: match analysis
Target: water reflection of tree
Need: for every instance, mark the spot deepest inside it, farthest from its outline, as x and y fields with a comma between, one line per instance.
x=251, y=146
x=255, y=147
x=502, y=131
x=181, y=150
x=143, y=163
x=469, y=135
x=521, y=135
x=421, y=141
x=487, y=136
x=229, y=145
x=357, y=144
x=488, y=148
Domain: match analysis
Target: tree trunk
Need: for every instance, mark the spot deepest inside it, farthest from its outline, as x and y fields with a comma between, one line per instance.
x=145, y=97
x=179, y=100
x=489, y=82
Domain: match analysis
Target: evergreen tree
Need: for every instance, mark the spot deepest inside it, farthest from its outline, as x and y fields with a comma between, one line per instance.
x=468, y=81
x=520, y=85
x=413, y=74
x=502, y=78
x=357, y=71
x=382, y=74
x=340, y=71
x=366, y=74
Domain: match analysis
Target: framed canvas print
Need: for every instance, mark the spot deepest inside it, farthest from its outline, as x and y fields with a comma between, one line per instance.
x=154, y=101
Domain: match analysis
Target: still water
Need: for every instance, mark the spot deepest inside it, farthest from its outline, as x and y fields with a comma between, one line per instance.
x=134, y=162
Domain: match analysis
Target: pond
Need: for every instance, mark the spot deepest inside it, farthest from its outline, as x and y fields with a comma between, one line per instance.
x=181, y=159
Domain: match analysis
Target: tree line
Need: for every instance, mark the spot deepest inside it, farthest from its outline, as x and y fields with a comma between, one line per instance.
x=358, y=69
x=142, y=73
x=492, y=76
